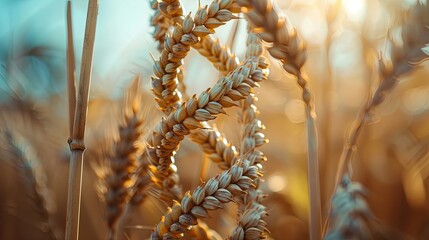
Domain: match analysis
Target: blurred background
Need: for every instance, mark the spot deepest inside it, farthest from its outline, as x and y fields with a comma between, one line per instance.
x=344, y=40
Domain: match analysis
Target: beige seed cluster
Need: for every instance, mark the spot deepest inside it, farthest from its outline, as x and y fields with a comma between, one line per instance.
x=218, y=54
x=251, y=224
x=217, y=147
x=189, y=116
x=161, y=25
x=208, y=196
x=177, y=46
x=122, y=165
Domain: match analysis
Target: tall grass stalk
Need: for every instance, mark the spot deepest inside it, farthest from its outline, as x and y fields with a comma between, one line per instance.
x=76, y=142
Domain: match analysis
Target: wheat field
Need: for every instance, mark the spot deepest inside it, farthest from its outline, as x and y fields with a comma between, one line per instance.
x=214, y=119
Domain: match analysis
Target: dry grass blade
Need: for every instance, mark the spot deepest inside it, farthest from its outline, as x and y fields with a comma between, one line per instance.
x=71, y=69
x=24, y=159
x=289, y=48
x=76, y=142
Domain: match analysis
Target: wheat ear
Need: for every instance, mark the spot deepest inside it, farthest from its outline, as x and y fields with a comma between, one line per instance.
x=208, y=196
x=123, y=163
x=177, y=46
x=289, y=48
x=171, y=131
x=216, y=146
x=29, y=168
x=403, y=59
x=160, y=23
x=76, y=142
x=218, y=54
x=350, y=212
x=251, y=212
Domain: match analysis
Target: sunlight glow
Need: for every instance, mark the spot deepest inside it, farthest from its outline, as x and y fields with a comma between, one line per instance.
x=355, y=9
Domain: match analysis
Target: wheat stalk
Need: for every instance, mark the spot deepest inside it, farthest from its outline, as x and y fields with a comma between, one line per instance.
x=76, y=142
x=71, y=69
x=289, y=48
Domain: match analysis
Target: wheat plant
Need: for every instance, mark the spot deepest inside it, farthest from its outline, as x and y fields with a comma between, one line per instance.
x=208, y=137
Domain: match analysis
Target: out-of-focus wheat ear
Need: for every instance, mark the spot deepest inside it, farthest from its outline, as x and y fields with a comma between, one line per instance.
x=29, y=169
x=76, y=141
x=403, y=59
x=123, y=161
x=289, y=48
x=71, y=69
x=350, y=212
x=160, y=23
